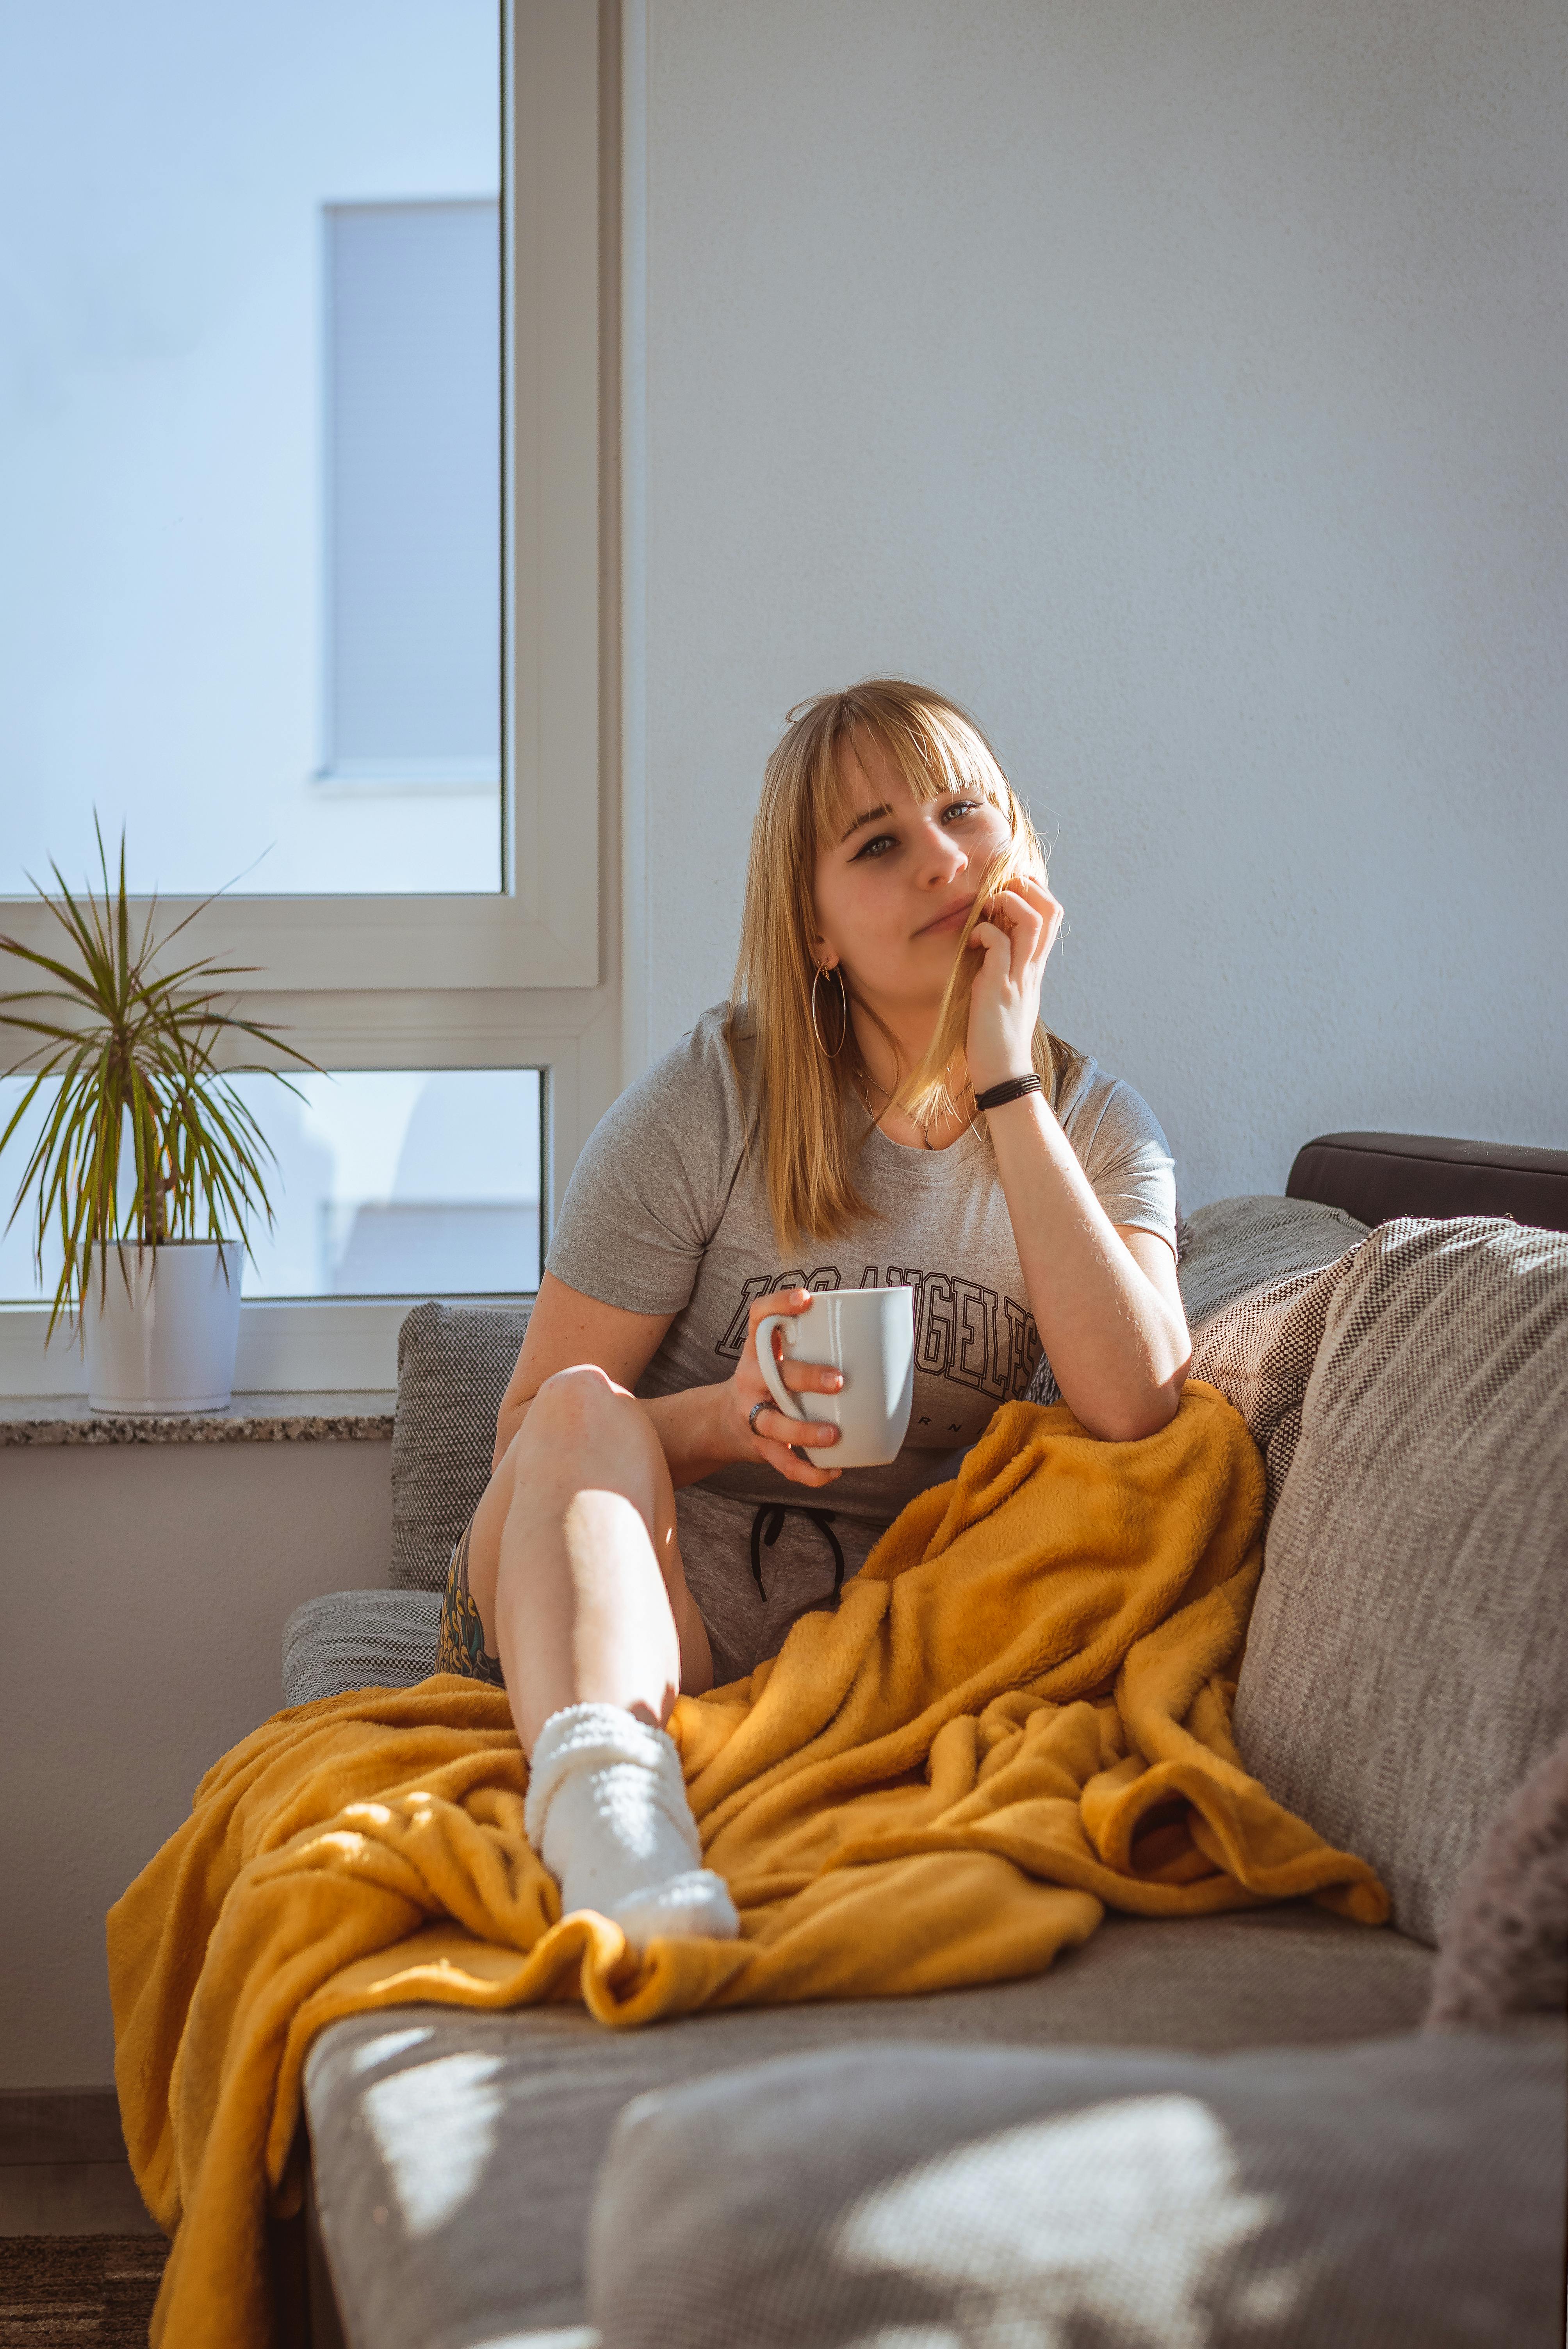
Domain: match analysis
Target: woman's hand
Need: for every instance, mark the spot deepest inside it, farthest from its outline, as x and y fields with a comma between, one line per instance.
x=772, y=1435
x=1015, y=936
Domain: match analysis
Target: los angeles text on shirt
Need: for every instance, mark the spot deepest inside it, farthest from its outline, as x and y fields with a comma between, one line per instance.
x=964, y=1330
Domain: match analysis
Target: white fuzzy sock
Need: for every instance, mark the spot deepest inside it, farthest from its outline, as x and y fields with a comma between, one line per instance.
x=608, y=1815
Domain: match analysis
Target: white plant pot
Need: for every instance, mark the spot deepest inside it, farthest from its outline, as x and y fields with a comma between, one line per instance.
x=161, y=1325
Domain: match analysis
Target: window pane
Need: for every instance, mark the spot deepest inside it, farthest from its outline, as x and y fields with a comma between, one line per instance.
x=249, y=444
x=403, y=1181
x=414, y=456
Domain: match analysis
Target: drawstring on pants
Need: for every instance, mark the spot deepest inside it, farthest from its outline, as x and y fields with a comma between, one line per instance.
x=768, y=1525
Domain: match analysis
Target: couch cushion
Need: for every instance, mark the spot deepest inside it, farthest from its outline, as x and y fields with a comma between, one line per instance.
x=359, y=1639
x=1407, y=1663
x=477, y=2136
x=453, y=1365
x=1405, y=2195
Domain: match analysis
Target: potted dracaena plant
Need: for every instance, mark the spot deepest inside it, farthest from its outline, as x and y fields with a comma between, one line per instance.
x=148, y=1165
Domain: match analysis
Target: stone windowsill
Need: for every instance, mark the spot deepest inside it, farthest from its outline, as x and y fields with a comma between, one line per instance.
x=335, y=1418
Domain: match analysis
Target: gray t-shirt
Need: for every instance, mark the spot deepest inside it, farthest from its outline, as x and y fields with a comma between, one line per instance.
x=666, y=1211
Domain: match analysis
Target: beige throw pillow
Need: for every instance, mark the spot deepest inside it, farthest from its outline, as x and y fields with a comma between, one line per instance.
x=1504, y=1950
x=1406, y=1665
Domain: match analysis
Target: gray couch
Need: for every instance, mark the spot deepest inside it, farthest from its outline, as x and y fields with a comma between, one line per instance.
x=1268, y=2127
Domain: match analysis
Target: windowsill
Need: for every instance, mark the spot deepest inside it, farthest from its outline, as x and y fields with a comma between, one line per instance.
x=330, y=1418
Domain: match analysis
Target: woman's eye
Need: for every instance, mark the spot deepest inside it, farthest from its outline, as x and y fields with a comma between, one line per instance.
x=884, y=841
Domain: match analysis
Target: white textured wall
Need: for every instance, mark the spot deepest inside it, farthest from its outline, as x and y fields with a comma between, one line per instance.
x=144, y=1591
x=1182, y=388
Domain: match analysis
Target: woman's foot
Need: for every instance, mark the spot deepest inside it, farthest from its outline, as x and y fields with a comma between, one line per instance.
x=608, y=1815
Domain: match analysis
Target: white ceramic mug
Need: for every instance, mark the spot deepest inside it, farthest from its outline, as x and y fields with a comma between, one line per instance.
x=869, y=1335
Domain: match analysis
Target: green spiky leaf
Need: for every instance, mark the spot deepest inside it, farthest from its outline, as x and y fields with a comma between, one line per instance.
x=130, y=1050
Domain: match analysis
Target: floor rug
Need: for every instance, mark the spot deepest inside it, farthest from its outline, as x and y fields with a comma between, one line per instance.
x=78, y=2291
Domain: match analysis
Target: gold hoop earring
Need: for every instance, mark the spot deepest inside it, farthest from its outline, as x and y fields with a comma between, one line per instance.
x=843, y=1011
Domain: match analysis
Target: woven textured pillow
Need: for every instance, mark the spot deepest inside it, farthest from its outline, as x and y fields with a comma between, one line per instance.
x=453, y=1365
x=1505, y=1948
x=1406, y=1665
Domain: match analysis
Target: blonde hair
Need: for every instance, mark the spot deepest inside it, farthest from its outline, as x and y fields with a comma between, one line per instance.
x=803, y=1095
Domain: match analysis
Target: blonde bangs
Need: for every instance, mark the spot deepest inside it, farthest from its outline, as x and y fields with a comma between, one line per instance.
x=933, y=745
x=803, y=1090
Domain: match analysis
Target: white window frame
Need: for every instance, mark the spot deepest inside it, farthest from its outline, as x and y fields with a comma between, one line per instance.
x=523, y=977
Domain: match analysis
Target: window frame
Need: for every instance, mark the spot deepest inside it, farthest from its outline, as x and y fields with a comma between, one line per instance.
x=521, y=978
x=540, y=929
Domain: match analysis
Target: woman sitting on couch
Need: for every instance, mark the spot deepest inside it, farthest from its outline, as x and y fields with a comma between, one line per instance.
x=853, y=1119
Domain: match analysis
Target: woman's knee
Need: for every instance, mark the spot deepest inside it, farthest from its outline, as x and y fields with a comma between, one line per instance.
x=581, y=1426
x=579, y=1397
x=571, y=1411
x=555, y=1451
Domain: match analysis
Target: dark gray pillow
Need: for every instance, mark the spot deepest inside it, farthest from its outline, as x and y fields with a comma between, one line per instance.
x=453, y=1365
x=1402, y=2194
x=1505, y=1948
x=1407, y=1663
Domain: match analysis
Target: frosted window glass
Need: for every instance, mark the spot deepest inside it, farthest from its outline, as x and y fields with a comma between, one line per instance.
x=414, y=454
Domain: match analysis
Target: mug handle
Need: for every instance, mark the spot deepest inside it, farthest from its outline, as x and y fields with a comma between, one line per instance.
x=770, y=1368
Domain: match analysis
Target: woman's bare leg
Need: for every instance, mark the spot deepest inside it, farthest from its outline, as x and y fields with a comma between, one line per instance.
x=575, y=1570
x=574, y=1563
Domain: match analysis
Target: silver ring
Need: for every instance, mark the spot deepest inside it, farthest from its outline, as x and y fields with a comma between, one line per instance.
x=766, y=1405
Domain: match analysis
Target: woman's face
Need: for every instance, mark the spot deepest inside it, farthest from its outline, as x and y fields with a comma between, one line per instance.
x=894, y=891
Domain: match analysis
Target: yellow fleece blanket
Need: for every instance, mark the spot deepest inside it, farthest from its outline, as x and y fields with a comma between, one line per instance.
x=1018, y=1716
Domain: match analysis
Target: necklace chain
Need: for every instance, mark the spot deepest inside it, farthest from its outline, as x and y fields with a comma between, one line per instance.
x=925, y=1124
